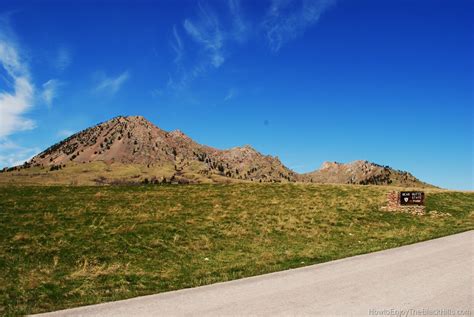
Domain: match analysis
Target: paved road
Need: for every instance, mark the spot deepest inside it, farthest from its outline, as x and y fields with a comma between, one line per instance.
x=431, y=275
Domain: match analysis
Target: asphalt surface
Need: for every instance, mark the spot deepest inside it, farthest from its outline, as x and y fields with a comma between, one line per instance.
x=428, y=278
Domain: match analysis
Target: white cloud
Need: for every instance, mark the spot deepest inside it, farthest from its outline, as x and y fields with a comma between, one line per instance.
x=186, y=76
x=206, y=31
x=50, y=91
x=286, y=19
x=19, y=99
x=63, y=59
x=155, y=92
x=240, y=26
x=211, y=37
x=112, y=84
x=283, y=21
x=65, y=133
x=230, y=94
x=177, y=46
x=12, y=154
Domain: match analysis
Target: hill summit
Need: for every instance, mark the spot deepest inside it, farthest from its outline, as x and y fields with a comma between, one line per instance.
x=135, y=140
x=131, y=149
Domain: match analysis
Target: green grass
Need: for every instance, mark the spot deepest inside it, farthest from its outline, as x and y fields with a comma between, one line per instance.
x=69, y=246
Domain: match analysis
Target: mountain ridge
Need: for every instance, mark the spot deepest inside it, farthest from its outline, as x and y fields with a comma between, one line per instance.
x=173, y=155
x=362, y=172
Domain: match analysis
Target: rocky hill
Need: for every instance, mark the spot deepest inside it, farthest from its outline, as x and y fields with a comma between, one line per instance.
x=361, y=173
x=135, y=140
x=133, y=150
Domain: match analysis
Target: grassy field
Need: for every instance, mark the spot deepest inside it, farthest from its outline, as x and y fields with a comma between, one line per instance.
x=86, y=174
x=69, y=246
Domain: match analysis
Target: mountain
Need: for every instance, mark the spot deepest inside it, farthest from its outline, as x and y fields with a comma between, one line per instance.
x=362, y=173
x=134, y=140
x=132, y=150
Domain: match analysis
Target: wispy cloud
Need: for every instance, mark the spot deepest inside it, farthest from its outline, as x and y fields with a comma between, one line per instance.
x=50, y=91
x=177, y=46
x=230, y=94
x=112, y=85
x=155, y=92
x=206, y=31
x=212, y=38
x=15, y=102
x=65, y=133
x=240, y=26
x=63, y=59
x=12, y=154
x=286, y=19
x=208, y=38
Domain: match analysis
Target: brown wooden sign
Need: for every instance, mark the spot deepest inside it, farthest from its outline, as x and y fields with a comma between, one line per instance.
x=412, y=198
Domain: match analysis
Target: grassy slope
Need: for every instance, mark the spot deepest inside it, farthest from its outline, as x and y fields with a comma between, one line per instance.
x=69, y=246
x=88, y=173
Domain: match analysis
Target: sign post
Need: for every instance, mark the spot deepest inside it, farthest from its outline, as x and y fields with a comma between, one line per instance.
x=412, y=198
x=412, y=202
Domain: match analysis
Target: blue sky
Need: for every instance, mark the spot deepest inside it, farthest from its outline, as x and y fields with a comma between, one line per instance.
x=308, y=81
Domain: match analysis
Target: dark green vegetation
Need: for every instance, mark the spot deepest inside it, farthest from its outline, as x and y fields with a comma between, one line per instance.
x=69, y=246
